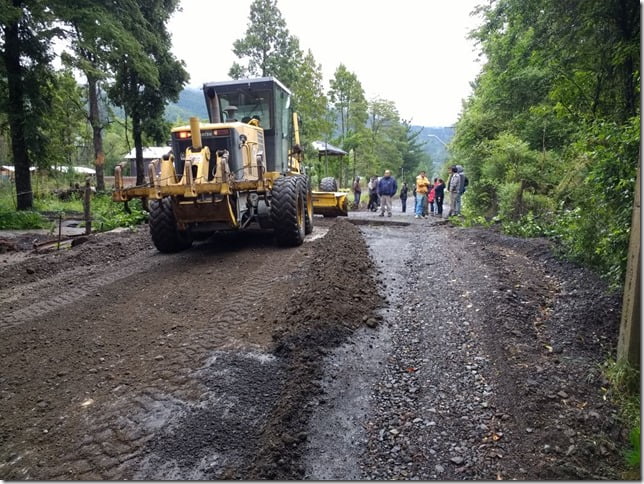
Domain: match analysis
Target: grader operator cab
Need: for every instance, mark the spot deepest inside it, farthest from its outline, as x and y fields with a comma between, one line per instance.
x=233, y=173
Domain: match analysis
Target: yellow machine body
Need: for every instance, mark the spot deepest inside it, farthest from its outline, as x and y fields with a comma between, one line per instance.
x=230, y=174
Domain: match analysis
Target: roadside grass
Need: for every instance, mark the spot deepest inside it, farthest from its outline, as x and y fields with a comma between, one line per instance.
x=48, y=206
x=624, y=390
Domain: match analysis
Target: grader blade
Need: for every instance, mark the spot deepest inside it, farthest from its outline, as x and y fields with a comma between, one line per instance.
x=330, y=204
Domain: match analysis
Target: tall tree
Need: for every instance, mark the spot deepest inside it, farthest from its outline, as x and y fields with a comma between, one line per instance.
x=65, y=128
x=143, y=89
x=310, y=101
x=267, y=46
x=348, y=100
x=25, y=55
x=96, y=46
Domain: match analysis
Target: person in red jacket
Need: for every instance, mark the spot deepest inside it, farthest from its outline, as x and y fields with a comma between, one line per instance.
x=430, y=198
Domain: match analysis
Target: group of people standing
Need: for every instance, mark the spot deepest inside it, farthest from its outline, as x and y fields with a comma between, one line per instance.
x=428, y=195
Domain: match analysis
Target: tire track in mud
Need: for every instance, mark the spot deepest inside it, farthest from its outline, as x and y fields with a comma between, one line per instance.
x=30, y=310
x=173, y=342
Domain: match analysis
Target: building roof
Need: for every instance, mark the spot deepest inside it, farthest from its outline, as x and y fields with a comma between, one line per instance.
x=76, y=169
x=150, y=152
x=11, y=168
x=325, y=148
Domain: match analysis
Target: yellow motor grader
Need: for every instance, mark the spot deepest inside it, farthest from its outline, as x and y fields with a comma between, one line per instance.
x=241, y=170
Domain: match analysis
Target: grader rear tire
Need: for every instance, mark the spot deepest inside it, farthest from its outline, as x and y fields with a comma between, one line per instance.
x=328, y=184
x=163, y=228
x=288, y=211
x=304, y=183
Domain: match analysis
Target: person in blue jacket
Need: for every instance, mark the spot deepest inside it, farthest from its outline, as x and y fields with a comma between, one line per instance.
x=387, y=188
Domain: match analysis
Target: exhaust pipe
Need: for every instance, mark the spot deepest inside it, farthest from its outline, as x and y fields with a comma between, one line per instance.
x=195, y=134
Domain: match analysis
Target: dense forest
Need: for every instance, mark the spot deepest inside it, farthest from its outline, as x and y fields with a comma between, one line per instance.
x=549, y=137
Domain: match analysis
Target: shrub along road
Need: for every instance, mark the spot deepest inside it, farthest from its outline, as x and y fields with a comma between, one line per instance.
x=379, y=349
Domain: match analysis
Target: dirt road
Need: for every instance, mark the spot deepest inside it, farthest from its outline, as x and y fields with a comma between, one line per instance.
x=381, y=349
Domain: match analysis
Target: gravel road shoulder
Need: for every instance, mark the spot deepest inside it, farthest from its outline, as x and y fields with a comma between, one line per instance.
x=486, y=366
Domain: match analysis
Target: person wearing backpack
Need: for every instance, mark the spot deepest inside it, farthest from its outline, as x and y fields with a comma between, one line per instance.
x=453, y=187
x=373, y=194
x=463, y=182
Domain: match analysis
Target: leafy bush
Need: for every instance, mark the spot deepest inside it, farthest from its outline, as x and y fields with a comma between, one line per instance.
x=481, y=197
x=106, y=214
x=508, y=201
x=526, y=226
x=109, y=215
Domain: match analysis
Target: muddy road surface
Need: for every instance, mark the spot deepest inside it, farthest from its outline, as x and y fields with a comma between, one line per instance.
x=387, y=348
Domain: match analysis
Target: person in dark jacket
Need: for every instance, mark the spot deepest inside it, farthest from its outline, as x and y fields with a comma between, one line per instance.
x=373, y=193
x=403, y=196
x=387, y=188
x=439, y=196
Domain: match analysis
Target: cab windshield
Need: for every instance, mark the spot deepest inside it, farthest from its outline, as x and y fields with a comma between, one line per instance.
x=244, y=106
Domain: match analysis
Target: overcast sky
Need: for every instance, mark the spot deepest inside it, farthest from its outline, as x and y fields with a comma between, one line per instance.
x=412, y=52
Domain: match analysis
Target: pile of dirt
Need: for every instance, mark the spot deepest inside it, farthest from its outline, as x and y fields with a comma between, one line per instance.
x=335, y=297
x=24, y=265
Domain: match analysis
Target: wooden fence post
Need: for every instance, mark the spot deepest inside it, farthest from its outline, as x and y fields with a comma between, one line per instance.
x=628, y=347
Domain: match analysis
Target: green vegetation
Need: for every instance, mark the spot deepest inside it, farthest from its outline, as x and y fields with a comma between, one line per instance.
x=106, y=214
x=624, y=390
x=550, y=137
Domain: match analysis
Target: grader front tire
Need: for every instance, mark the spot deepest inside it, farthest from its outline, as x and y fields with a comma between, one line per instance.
x=167, y=238
x=288, y=211
x=328, y=184
x=305, y=187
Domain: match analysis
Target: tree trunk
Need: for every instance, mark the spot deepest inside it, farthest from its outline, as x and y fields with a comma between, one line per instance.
x=137, y=134
x=16, y=117
x=97, y=131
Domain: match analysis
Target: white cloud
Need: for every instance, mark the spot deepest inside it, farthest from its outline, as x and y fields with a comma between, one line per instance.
x=412, y=52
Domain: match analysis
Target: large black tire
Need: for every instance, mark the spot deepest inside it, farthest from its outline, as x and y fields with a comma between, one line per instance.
x=304, y=183
x=288, y=211
x=163, y=228
x=328, y=184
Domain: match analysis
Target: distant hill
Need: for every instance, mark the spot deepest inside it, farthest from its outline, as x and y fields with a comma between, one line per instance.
x=192, y=103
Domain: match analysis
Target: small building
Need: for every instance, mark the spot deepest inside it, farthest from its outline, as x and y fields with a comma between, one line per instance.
x=8, y=172
x=150, y=154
